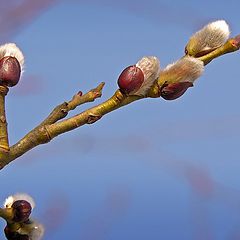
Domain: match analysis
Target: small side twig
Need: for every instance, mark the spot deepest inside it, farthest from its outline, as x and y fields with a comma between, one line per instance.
x=40, y=134
x=62, y=110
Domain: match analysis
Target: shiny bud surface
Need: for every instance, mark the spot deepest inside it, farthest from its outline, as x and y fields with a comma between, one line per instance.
x=10, y=71
x=173, y=91
x=22, y=210
x=130, y=79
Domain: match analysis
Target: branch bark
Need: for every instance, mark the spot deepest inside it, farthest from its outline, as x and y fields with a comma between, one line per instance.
x=4, y=144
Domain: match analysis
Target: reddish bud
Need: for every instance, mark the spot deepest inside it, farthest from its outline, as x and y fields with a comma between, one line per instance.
x=174, y=90
x=11, y=235
x=236, y=41
x=80, y=93
x=10, y=71
x=22, y=210
x=130, y=79
x=204, y=52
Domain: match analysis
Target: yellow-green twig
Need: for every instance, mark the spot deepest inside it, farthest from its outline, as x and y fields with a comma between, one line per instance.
x=4, y=145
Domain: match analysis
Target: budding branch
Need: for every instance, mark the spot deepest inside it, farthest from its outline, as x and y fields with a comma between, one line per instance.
x=56, y=124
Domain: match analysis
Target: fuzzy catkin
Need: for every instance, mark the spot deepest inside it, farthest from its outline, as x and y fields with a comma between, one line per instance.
x=150, y=67
x=211, y=36
x=187, y=69
x=10, y=49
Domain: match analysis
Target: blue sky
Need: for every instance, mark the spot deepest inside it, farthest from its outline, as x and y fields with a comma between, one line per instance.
x=155, y=169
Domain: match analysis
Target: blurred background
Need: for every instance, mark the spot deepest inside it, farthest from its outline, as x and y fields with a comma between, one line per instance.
x=155, y=169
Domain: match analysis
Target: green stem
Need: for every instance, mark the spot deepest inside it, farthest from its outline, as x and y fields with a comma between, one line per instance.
x=4, y=144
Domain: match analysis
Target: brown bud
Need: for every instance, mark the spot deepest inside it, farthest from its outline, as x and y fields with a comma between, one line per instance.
x=10, y=71
x=130, y=79
x=204, y=52
x=21, y=210
x=12, y=235
x=236, y=41
x=79, y=93
x=174, y=90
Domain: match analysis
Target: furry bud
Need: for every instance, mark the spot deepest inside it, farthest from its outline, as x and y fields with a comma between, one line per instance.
x=11, y=50
x=138, y=79
x=187, y=69
x=21, y=210
x=36, y=231
x=177, y=77
x=19, y=196
x=210, y=37
x=150, y=67
x=10, y=71
x=130, y=79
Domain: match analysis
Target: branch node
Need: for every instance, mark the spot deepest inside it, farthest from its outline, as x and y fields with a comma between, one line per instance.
x=45, y=134
x=93, y=118
x=3, y=119
x=3, y=90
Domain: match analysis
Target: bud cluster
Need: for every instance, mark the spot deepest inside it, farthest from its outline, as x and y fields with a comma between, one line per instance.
x=20, y=226
x=176, y=78
x=11, y=64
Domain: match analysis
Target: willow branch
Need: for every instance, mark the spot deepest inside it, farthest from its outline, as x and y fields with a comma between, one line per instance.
x=40, y=134
x=91, y=115
x=45, y=133
x=52, y=126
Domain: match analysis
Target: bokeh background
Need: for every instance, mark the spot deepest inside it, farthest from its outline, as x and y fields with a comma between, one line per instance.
x=155, y=169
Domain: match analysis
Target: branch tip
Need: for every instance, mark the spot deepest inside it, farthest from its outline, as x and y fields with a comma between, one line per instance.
x=99, y=89
x=236, y=41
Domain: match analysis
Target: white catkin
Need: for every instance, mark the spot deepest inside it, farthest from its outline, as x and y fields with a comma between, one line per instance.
x=19, y=196
x=37, y=231
x=10, y=49
x=33, y=229
x=211, y=36
x=187, y=69
x=150, y=67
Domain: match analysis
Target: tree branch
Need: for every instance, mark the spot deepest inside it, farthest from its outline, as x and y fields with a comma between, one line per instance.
x=40, y=134
x=52, y=127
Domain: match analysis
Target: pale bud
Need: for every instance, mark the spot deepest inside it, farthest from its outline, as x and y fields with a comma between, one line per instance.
x=11, y=50
x=150, y=67
x=33, y=229
x=177, y=77
x=186, y=69
x=37, y=231
x=19, y=196
x=207, y=39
